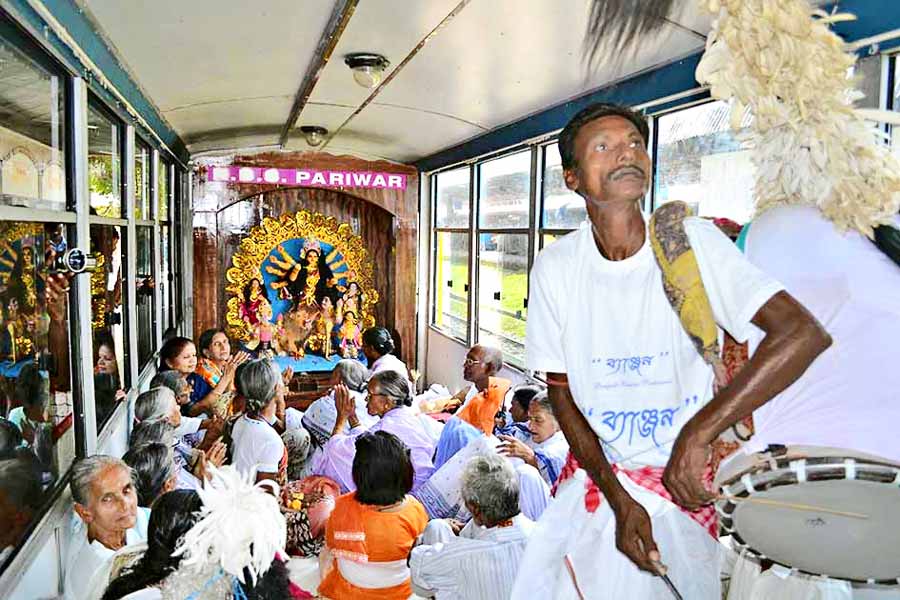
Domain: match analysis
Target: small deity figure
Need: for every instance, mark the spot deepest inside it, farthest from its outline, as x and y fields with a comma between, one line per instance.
x=18, y=333
x=325, y=325
x=265, y=332
x=21, y=279
x=254, y=297
x=350, y=335
x=351, y=299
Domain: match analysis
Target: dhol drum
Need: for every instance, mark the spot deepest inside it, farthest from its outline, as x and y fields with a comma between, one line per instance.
x=820, y=511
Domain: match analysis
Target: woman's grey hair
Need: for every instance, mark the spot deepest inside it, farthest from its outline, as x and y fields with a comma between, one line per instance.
x=155, y=403
x=542, y=400
x=257, y=382
x=169, y=379
x=352, y=373
x=154, y=430
x=490, y=483
x=85, y=470
x=152, y=466
x=393, y=385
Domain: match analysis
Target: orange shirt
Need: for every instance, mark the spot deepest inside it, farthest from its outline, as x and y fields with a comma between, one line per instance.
x=362, y=533
x=480, y=410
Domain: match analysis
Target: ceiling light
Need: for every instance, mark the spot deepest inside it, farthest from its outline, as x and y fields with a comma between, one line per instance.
x=314, y=134
x=367, y=68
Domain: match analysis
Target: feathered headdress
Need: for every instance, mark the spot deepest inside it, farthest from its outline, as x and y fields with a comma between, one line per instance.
x=780, y=60
x=241, y=527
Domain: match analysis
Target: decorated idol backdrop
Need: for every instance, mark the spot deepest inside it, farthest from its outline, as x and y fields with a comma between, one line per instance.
x=301, y=286
x=230, y=203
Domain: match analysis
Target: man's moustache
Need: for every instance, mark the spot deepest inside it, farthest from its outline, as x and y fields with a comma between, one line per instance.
x=627, y=170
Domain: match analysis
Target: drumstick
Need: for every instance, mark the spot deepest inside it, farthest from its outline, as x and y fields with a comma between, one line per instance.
x=791, y=505
x=571, y=570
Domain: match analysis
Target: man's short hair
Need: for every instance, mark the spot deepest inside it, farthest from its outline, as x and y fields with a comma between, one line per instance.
x=382, y=469
x=493, y=357
x=523, y=394
x=84, y=471
x=592, y=113
x=490, y=484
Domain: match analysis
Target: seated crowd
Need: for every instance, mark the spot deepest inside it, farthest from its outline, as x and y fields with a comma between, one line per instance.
x=388, y=494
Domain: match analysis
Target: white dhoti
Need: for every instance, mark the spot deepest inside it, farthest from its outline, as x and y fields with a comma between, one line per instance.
x=566, y=528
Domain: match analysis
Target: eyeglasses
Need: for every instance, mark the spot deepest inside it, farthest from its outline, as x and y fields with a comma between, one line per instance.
x=470, y=361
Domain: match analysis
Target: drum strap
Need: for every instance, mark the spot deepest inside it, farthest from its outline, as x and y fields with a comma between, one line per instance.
x=683, y=285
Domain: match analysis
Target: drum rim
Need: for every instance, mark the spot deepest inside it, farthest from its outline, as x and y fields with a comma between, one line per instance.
x=832, y=463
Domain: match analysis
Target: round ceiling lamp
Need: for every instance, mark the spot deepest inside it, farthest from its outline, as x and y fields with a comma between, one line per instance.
x=368, y=68
x=314, y=134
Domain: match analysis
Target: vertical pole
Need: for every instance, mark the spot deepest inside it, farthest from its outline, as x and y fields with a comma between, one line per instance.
x=131, y=258
x=82, y=346
x=157, y=241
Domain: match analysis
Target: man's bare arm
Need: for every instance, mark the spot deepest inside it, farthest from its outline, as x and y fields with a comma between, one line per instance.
x=794, y=338
x=634, y=536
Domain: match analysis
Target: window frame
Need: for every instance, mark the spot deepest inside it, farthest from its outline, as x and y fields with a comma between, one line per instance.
x=12, y=33
x=432, y=316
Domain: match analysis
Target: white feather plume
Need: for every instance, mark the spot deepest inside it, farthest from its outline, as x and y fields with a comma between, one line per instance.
x=810, y=145
x=241, y=526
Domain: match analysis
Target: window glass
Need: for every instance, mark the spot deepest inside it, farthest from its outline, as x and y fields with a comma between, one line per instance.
x=162, y=209
x=37, y=438
x=504, y=191
x=451, y=283
x=549, y=238
x=701, y=162
x=562, y=208
x=146, y=305
x=107, y=320
x=452, y=206
x=502, y=289
x=32, y=129
x=165, y=273
x=104, y=164
x=141, y=181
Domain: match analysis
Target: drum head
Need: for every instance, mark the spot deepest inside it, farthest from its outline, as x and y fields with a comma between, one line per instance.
x=819, y=543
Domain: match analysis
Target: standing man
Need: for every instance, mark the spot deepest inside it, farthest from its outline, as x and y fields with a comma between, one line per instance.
x=631, y=392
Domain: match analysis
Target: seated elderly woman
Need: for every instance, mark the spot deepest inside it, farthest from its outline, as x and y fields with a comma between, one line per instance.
x=191, y=462
x=537, y=461
x=371, y=531
x=153, y=470
x=194, y=431
x=320, y=418
x=106, y=502
x=547, y=447
x=257, y=449
x=480, y=560
x=159, y=573
x=389, y=399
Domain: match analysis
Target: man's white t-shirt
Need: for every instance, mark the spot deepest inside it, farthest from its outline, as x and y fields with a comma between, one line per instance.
x=632, y=369
x=257, y=447
x=848, y=397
